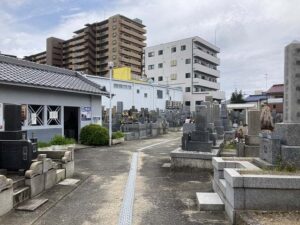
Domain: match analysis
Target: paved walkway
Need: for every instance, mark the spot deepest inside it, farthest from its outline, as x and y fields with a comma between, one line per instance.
x=161, y=196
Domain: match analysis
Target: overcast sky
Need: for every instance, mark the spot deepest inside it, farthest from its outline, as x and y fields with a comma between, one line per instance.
x=252, y=34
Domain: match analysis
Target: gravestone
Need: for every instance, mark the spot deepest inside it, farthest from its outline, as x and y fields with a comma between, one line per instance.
x=120, y=107
x=288, y=131
x=198, y=140
x=218, y=124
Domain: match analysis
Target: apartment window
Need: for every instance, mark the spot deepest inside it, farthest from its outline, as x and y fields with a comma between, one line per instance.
x=173, y=62
x=160, y=52
x=173, y=49
x=138, y=91
x=187, y=75
x=150, y=67
x=187, y=61
x=174, y=76
x=159, y=94
x=160, y=65
x=187, y=103
x=145, y=95
x=152, y=78
x=187, y=89
x=183, y=47
x=160, y=78
x=150, y=54
x=114, y=34
x=198, y=102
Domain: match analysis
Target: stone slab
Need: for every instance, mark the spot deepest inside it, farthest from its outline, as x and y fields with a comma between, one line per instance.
x=207, y=201
x=252, y=140
x=6, y=201
x=36, y=184
x=178, y=153
x=69, y=181
x=166, y=165
x=288, y=133
x=199, y=146
x=69, y=167
x=50, y=178
x=60, y=175
x=291, y=155
x=32, y=204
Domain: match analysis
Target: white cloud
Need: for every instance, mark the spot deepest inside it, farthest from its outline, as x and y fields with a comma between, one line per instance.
x=251, y=34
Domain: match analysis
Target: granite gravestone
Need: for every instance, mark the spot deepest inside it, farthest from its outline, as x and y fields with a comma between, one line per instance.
x=289, y=130
x=198, y=140
x=217, y=121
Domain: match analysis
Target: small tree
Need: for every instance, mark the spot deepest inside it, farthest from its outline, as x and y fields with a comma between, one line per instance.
x=237, y=97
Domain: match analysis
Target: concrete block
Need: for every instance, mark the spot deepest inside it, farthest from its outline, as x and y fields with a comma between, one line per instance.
x=218, y=163
x=69, y=167
x=50, y=178
x=252, y=140
x=6, y=201
x=288, y=133
x=272, y=182
x=251, y=151
x=60, y=175
x=199, y=146
x=270, y=149
x=218, y=174
x=272, y=199
x=207, y=201
x=235, y=196
x=47, y=165
x=291, y=154
x=36, y=184
x=233, y=177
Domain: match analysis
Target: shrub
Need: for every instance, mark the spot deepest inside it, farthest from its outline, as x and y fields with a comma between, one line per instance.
x=43, y=144
x=94, y=134
x=61, y=140
x=116, y=135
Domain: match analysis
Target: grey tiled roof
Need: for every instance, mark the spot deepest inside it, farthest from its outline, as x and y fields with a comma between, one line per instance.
x=24, y=73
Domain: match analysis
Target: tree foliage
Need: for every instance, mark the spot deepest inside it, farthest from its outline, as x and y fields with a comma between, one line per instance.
x=237, y=97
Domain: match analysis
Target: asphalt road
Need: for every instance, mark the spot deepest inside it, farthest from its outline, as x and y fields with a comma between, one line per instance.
x=162, y=196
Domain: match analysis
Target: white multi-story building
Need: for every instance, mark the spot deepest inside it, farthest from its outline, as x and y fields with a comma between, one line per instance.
x=138, y=94
x=189, y=63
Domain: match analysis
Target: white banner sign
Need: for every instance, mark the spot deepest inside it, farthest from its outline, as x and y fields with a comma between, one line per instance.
x=33, y=118
x=1, y=118
x=53, y=115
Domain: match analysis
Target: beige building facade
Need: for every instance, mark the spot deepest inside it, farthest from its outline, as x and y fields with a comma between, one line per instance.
x=118, y=39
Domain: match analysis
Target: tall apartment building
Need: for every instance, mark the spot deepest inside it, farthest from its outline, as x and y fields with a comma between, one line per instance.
x=188, y=63
x=118, y=39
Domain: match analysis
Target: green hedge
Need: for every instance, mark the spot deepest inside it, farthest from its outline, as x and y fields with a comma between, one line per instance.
x=61, y=140
x=94, y=134
x=116, y=135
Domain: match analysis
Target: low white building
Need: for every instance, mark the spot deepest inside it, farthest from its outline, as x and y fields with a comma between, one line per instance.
x=189, y=63
x=138, y=94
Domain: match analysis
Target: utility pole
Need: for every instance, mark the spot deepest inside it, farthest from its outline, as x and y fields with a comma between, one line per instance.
x=110, y=66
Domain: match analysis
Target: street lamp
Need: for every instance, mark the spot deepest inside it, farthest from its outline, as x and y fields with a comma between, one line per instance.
x=110, y=66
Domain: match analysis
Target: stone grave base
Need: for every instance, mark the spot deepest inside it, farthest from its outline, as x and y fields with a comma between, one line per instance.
x=174, y=129
x=69, y=168
x=244, y=150
x=36, y=184
x=192, y=159
x=6, y=201
x=229, y=135
x=243, y=186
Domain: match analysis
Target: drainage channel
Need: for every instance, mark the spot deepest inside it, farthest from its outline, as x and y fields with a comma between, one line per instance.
x=125, y=217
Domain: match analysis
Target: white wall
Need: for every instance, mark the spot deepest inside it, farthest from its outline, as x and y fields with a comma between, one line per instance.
x=131, y=97
x=35, y=96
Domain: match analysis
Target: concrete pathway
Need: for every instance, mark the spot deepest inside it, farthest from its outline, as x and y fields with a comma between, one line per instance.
x=161, y=196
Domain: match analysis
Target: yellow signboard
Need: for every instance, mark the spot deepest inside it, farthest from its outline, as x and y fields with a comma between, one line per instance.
x=122, y=73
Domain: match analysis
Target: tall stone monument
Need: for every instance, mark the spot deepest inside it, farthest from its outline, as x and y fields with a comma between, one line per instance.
x=198, y=140
x=218, y=124
x=284, y=143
